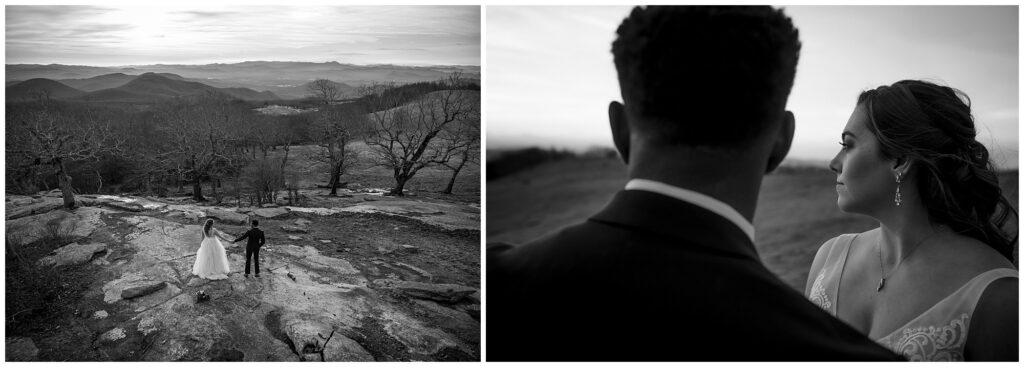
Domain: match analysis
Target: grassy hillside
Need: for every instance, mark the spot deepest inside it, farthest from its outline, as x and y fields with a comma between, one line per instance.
x=796, y=210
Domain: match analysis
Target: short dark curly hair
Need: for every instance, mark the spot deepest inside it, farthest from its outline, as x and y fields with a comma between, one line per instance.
x=706, y=75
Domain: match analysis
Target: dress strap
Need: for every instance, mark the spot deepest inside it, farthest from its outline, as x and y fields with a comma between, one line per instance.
x=971, y=292
x=825, y=289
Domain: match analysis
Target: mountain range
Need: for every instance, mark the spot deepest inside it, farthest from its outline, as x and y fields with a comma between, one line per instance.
x=119, y=87
x=285, y=79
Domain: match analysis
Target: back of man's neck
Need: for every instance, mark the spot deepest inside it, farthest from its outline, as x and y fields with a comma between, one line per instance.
x=733, y=183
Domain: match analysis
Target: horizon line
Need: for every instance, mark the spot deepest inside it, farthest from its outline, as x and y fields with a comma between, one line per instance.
x=241, y=62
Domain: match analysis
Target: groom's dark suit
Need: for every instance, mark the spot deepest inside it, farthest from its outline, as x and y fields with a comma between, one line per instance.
x=252, y=248
x=654, y=278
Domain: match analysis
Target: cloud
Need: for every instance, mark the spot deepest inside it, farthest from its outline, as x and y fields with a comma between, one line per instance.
x=312, y=32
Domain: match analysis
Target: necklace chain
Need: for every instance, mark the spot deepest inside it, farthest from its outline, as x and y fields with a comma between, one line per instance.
x=881, y=265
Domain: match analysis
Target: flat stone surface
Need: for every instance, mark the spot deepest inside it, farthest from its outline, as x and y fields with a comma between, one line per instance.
x=270, y=212
x=444, y=215
x=73, y=254
x=438, y=292
x=227, y=216
x=417, y=338
x=34, y=209
x=155, y=317
x=81, y=222
x=132, y=207
x=112, y=335
x=342, y=349
x=294, y=229
x=20, y=349
x=142, y=289
x=421, y=272
x=410, y=249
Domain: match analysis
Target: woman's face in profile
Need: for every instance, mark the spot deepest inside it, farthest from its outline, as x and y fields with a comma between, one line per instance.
x=865, y=180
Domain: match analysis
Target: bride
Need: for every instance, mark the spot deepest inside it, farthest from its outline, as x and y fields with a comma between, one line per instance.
x=936, y=280
x=211, y=260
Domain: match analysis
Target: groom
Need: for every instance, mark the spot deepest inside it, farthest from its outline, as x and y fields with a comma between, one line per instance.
x=667, y=271
x=252, y=248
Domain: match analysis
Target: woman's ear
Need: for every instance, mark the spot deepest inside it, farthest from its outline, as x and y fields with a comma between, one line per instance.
x=901, y=165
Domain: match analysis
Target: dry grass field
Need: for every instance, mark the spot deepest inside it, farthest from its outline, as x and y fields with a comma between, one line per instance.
x=796, y=210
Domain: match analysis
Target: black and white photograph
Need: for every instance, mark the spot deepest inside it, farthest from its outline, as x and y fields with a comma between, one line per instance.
x=208, y=182
x=752, y=183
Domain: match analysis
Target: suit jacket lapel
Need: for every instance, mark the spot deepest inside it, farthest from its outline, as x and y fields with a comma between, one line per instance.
x=652, y=212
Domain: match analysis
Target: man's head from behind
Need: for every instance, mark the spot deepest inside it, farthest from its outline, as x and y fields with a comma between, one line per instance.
x=255, y=223
x=707, y=76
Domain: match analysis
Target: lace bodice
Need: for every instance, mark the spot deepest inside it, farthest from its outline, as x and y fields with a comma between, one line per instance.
x=938, y=334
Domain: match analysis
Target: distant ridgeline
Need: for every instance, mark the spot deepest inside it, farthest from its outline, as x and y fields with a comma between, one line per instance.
x=506, y=162
x=122, y=88
x=144, y=133
x=274, y=80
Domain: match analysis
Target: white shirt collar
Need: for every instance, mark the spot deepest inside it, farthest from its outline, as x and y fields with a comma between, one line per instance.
x=714, y=205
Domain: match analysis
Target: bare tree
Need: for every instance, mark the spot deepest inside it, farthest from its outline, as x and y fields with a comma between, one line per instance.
x=402, y=136
x=324, y=90
x=46, y=136
x=459, y=144
x=335, y=128
x=198, y=132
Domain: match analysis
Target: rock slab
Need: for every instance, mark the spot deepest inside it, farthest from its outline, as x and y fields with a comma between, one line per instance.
x=20, y=349
x=40, y=208
x=227, y=216
x=295, y=229
x=72, y=254
x=142, y=290
x=437, y=292
x=342, y=349
x=119, y=205
x=270, y=212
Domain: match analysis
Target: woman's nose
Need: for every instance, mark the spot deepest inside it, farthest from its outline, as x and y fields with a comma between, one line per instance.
x=835, y=165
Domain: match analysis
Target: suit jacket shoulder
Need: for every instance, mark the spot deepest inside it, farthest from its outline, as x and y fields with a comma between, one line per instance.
x=653, y=278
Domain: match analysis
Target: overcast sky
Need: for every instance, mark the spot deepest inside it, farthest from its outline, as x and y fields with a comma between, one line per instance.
x=550, y=74
x=203, y=33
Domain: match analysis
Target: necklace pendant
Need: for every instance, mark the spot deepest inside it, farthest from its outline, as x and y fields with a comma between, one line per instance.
x=881, y=283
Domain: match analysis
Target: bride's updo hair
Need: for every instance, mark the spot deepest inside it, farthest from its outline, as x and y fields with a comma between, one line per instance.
x=206, y=227
x=932, y=126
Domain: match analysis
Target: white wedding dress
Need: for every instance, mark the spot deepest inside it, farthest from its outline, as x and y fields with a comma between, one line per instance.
x=211, y=260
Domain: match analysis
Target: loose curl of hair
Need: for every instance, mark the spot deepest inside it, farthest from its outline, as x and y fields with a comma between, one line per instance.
x=206, y=227
x=932, y=126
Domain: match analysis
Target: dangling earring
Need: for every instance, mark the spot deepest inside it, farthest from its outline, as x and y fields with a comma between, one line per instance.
x=899, y=198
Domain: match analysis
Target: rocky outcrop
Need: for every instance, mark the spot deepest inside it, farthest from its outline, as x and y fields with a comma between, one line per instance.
x=34, y=209
x=270, y=212
x=141, y=289
x=143, y=305
x=73, y=254
x=20, y=349
x=315, y=340
x=81, y=222
x=227, y=216
x=410, y=249
x=437, y=292
x=418, y=271
x=295, y=229
x=341, y=348
x=119, y=205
